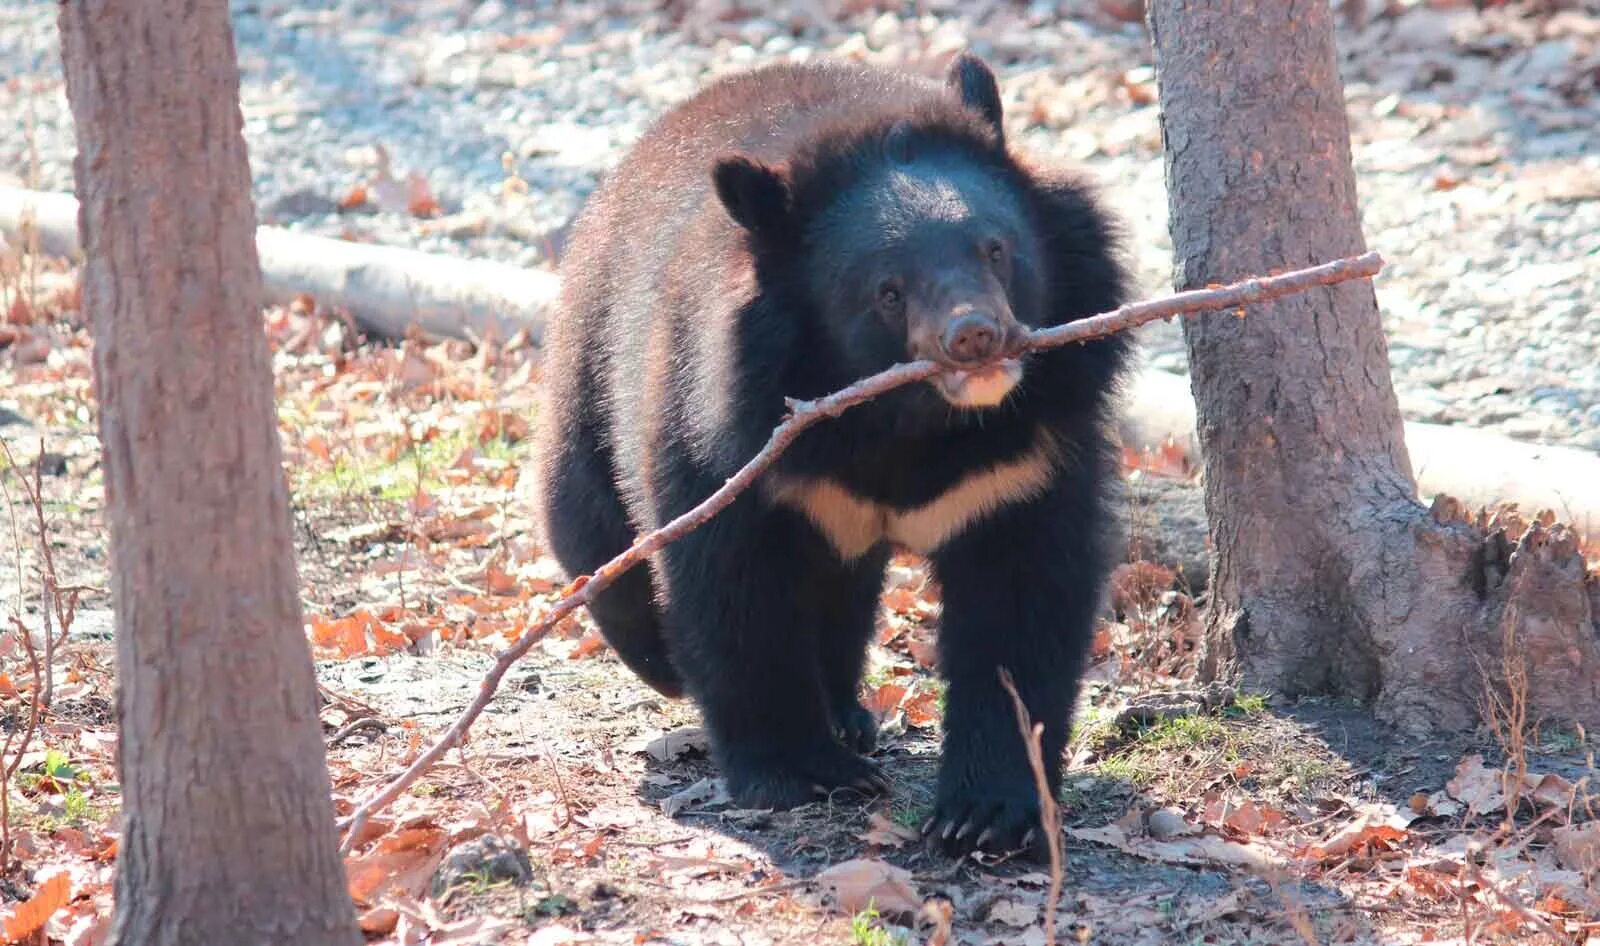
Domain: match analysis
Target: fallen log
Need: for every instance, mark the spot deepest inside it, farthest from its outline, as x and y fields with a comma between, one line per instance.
x=385, y=289
x=1478, y=467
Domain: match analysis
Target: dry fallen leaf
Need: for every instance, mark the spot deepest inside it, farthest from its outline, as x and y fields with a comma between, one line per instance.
x=856, y=883
x=1578, y=846
x=676, y=744
x=420, y=201
x=900, y=600
x=605, y=815
x=404, y=861
x=1014, y=913
x=1441, y=804
x=939, y=914
x=557, y=935
x=87, y=929
x=1551, y=790
x=921, y=708
x=589, y=644
x=882, y=700
x=1204, y=850
x=31, y=915
x=1169, y=460
x=1245, y=818
x=925, y=653
x=881, y=830
x=475, y=930
x=1480, y=788
x=1376, y=828
x=1432, y=883
x=355, y=198
x=1200, y=910
x=706, y=792
x=378, y=921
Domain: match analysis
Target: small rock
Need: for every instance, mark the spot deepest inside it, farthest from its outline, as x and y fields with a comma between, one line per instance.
x=1424, y=405
x=302, y=203
x=49, y=464
x=489, y=858
x=1125, y=11
x=487, y=14
x=1547, y=62
x=1537, y=428
x=1168, y=823
x=1423, y=29
x=883, y=30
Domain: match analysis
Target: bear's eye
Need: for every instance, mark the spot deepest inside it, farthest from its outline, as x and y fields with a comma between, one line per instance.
x=997, y=251
x=889, y=295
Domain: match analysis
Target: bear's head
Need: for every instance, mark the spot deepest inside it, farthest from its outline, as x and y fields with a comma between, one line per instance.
x=907, y=230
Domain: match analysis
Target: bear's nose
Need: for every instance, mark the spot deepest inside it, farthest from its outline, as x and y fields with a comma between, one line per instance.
x=971, y=338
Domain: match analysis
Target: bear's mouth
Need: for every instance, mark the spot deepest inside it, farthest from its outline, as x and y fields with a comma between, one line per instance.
x=984, y=387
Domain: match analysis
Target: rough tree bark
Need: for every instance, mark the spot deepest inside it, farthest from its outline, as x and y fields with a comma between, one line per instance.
x=1328, y=575
x=227, y=820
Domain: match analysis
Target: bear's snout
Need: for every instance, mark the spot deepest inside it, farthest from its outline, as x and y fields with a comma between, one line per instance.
x=972, y=338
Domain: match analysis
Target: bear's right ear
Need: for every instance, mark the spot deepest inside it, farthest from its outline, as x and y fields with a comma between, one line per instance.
x=974, y=81
x=756, y=195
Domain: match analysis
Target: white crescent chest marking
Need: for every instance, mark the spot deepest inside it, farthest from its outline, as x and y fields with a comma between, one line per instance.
x=853, y=524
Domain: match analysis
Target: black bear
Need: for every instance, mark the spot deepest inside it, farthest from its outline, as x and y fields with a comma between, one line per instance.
x=784, y=232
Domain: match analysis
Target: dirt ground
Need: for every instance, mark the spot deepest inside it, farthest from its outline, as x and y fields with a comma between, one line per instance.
x=583, y=808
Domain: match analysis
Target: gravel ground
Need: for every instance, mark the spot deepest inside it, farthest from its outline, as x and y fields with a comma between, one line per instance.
x=1477, y=140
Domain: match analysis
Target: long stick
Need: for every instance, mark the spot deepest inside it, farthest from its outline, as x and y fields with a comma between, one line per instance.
x=803, y=414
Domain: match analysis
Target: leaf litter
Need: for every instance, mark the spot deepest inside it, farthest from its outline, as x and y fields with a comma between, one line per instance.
x=407, y=463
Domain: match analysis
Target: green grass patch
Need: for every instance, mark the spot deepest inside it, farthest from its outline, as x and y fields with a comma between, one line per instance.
x=1245, y=742
x=867, y=929
x=911, y=817
x=1559, y=740
x=1132, y=767
x=397, y=480
x=1184, y=732
x=1248, y=704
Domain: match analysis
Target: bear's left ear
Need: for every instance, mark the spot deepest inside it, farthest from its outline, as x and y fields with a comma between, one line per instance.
x=973, y=80
x=755, y=195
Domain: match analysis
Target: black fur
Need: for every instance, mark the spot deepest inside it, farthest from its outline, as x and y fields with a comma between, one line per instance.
x=742, y=253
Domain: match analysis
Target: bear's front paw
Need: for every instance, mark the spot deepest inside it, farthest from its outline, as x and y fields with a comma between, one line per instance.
x=780, y=780
x=997, y=820
x=856, y=727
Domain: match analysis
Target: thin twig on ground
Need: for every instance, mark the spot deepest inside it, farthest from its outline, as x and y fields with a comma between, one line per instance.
x=804, y=414
x=360, y=724
x=58, y=603
x=1049, y=814
x=1511, y=903
x=11, y=761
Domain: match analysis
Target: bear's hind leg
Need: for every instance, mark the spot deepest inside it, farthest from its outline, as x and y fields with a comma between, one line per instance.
x=585, y=526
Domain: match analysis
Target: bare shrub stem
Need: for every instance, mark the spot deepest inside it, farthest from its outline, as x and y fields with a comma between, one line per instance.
x=1049, y=813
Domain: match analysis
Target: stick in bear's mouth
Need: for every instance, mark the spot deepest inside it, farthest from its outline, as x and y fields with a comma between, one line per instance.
x=985, y=387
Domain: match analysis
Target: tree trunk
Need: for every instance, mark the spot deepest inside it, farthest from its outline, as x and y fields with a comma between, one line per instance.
x=1328, y=575
x=227, y=824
